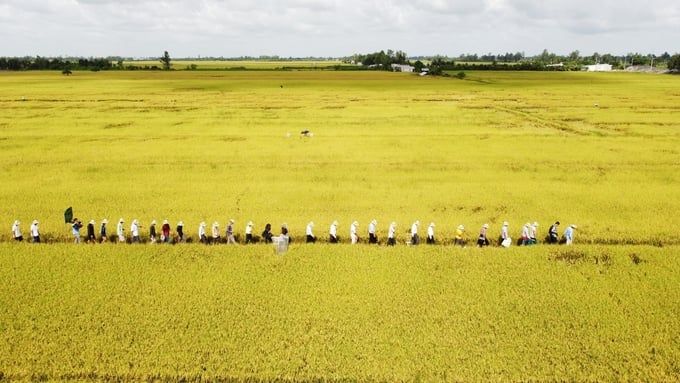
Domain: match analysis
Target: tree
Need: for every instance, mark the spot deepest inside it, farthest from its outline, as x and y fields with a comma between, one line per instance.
x=674, y=62
x=418, y=66
x=165, y=60
x=575, y=56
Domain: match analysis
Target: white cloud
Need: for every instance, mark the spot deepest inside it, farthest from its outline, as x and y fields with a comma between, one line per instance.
x=333, y=27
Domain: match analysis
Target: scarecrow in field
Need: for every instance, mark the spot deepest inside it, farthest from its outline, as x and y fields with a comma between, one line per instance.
x=215, y=232
x=16, y=231
x=461, y=236
x=568, y=237
x=90, y=232
x=75, y=230
x=392, y=234
x=483, y=240
x=35, y=232
x=353, y=232
x=249, y=232
x=152, y=231
x=415, y=240
x=553, y=237
x=230, y=232
x=180, y=231
x=430, y=234
x=333, y=233
x=267, y=233
x=309, y=232
x=102, y=231
x=134, y=229
x=120, y=230
x=505, y=239
x=165, y=231
x=201, y=233
x=372, y=236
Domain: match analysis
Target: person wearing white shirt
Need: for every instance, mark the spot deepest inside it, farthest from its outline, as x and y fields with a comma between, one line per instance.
x=35, y=233
x=505, y=239
x=134, y=230
x=249, y=232
x=430, y=234
x=215, y=233
x=333, y=232
x=533, y=229
x=392, y=234
x=353, y=232
x=372, y=236
x=201, y=233
x=524, y=240
x=569, y=235
x=120, y=231
x=415, y=240
x=310, y=233
x=230, y=233
x=16, y=231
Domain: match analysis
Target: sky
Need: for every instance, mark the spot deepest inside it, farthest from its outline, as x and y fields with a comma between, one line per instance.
x=334, y=28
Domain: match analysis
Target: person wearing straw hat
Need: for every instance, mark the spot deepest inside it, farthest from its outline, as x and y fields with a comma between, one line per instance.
x=180, y=231
x=553, y=236
x=35, y=232
x=16, y=231
x=284, y=233
x=102, y=231
x=354, y=232
x=483, y=240
x=152, y=231
x=333, y=233
x=215, y=233
x=249, y=232
x=134, y=230
x=230, y=233
x=120, y=230
x=165, y=231
x=524, y=238
x=415, y=240
x=533, y=231
x=309, y=232
x=461, y=237
x=201, y=233
x=505, y=239
x=392, y=234
x=569, y=235
x=91, y=238
x=267, y=233
x=372, y=228
x=75, y=229
x=430, y=234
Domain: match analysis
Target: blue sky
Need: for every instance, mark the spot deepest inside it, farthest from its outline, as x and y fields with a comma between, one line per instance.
x=229, y=28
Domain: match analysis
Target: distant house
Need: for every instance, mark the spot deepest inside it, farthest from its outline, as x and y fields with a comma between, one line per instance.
x=403, y=68
x=558, y=65
x=598, y=68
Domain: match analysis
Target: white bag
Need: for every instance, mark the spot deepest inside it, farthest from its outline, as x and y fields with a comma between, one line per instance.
x=506, y=242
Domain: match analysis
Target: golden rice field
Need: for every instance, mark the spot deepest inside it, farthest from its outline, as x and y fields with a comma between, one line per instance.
x=247, y=64
x=597, y=150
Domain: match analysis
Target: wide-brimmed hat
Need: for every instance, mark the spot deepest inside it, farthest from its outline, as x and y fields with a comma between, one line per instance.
x=121, y=220
x=432, y=224
x=203, y=223
x=335, y=223
x=311, y=223
x=216, y=223
x=231, y=220
x=535, y=223
x=486, y=225
x=505, y=223
x=165, y=221
x=16, y=222
x=250, y=223
x=91, y=222
x=154, y=222
x=35, y=221
x=105, y=221
x=573, y=226
x=461, y=227
x=355, y=223
x=180, y=223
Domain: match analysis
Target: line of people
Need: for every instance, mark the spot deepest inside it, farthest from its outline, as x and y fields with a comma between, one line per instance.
x=528, y=236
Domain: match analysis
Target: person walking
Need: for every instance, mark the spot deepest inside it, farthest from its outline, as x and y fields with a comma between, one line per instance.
x=533, y=231
x=215, y=233
x=249, y=232
x=267, y=233
x=309, y=231
x=569, y=235
x=134, y=230
x=392, y=234
x=91, y=238
x=505, y=239
x=524, y=238
x=180, y=231
x=35, y=232
x=16, y=231
x=482, y=241
x=461, y=237
x=553, y=236
x=201, y=233
x=120, y=231
x=152, y=232
x=102, y=231
x=372, y=229
x=430, y=234
x=333, y=233
x=75, y=230
x=165, y=231
x=415, y=240
x=230, y=233
x=354, y=233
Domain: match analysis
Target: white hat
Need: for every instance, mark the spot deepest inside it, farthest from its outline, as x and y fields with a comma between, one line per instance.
x=505, y=223
x=180, y=223
x=203, y=223
x=164, y=221
x=35, y=221
x=231, y=220
x=527, y=224
x=91, y=222
x=375, y=221
x=486, y=226
x=216, y=224
x=311, y=223
x=417, y=222
x=461, y=227
x=154, y=222
x=121, y=220
x=135, y=221
x=432, y=224
x=535, y=223
x=284, y=225
x=105, y=221
x=393, y=223
x=250, y=223
x=335, y=223
x=16, y=222
x=573, y=226
x=355, y=223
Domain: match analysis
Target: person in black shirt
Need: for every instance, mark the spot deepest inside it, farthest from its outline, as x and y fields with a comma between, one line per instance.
x=552, y=233
x=152, y=231
x=267, y=233
x=90, y=233
x=102, y=231
x=180, y=231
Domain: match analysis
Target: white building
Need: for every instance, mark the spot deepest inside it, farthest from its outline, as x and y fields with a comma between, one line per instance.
x=598, y=68
x=403, y=68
